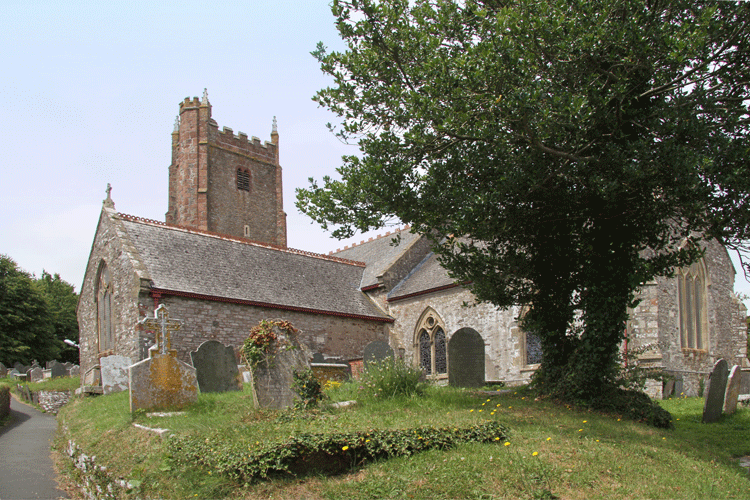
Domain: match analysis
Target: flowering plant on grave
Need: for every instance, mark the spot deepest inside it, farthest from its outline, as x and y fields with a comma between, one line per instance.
x=264, y=341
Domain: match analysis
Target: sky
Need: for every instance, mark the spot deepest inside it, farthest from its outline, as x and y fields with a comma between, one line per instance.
x=90, y=91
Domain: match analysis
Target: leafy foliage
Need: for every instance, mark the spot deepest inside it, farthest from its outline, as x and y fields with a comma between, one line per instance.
x=558, y=153
x=264, y=341
x=328, y=453
x=391, y=378
x=27, y=326
x=61, y=306
x=307, y=388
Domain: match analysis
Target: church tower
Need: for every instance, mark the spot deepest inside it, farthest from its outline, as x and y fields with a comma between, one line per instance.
x=224, y=183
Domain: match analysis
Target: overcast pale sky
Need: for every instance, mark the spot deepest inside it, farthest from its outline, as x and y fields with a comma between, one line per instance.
x=90, y=91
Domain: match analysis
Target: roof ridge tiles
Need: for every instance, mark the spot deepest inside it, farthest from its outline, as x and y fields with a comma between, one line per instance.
x=246, y=241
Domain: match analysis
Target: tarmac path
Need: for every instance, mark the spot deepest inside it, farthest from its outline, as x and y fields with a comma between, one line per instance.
x=25, y=464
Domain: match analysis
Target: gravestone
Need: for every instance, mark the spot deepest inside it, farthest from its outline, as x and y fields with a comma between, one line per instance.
x=216, y=367
x=3, y=371
x=377, y=351
x=318, y=358
x=114, y=371
x=57, y=369
x=35, y=374
x=733, y=390
x=20, y=368
x=668, y=390
x=162, y=381
x=466, y=359
x=75, y=371
x=717, y=386
x=273, y=378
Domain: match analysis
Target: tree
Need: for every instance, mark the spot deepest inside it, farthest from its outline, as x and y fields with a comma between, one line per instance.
x=61, y=300
x=559, y=153
x=26, y=331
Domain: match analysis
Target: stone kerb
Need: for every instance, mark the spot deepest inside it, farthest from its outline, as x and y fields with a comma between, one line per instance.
x=162, y=381
x=717, y=385
x=216, y=367
x=273, y=377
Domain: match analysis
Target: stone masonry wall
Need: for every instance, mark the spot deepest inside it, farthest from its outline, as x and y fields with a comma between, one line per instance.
x=203, y=190
x=230, y=324
x=502, y=339
x=126, y=279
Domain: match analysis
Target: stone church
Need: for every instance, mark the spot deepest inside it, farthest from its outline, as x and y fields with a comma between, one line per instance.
x=220, y=264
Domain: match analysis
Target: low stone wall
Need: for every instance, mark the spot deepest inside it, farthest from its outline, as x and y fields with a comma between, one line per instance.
x=4, y=402
x=93, y=480
x=52, y=401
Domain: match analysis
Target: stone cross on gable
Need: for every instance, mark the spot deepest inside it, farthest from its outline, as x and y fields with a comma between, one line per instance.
x=163, y=327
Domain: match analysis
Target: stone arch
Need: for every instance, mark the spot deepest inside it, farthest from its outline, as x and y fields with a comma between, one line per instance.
x=104, y=320
x=430, y=344
x=692, y=300
x=466, y=357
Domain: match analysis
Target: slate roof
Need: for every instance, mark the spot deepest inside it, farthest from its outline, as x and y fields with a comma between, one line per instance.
x=213, y=266
x=378, y=254
x=427, y=275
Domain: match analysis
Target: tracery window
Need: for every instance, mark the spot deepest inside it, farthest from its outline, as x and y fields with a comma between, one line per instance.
x=533, y=348
x=104, y=309
x=431, y=344
x=243, y=179
x=691, y=291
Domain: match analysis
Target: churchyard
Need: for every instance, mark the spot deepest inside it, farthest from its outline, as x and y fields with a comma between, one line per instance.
x=548, y=451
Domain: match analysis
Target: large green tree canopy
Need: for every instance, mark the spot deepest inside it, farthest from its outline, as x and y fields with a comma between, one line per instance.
x=36, y=315
x=560, y=153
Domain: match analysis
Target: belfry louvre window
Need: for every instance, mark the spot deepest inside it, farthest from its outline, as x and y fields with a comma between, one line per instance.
x=431, y=345
x=243, y=179
x=691, y=291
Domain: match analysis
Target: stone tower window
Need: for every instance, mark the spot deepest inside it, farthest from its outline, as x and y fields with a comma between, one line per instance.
x=692, y=287
x=104, y=309
x=431, y=345
x=243, y=179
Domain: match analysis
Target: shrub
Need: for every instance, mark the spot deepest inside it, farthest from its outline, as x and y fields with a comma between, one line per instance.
x=326, y=453
x=307, y=388
x=390, y=378
x=634, y=405
x=265, y=341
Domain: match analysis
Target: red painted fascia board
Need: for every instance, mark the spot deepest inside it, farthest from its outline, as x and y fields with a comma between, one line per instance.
x=159, y=292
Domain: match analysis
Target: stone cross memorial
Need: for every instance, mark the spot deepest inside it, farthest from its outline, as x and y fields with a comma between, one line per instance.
x=162, y=381
x=717, y=385
x=216, y=367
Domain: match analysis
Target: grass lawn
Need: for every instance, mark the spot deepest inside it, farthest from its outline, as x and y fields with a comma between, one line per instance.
x=550, y=451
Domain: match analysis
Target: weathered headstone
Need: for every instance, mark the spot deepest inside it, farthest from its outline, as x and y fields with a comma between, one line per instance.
x=717, y=386
x=57, y=369
x=75, y=371
x=733, y=390
x=318, y=358
x=376, y=351
x=3, y=370
x=273, y=378
x=35, y=374
x=114, y=371
x=216, y=367
x=466, y=358
x=668, y=390
x=162, y=381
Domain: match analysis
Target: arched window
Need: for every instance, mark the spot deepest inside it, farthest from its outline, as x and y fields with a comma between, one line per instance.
x=431, y=345
x=243, y=179
x=692, y=287
x=104, y=309
x=533, y=349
